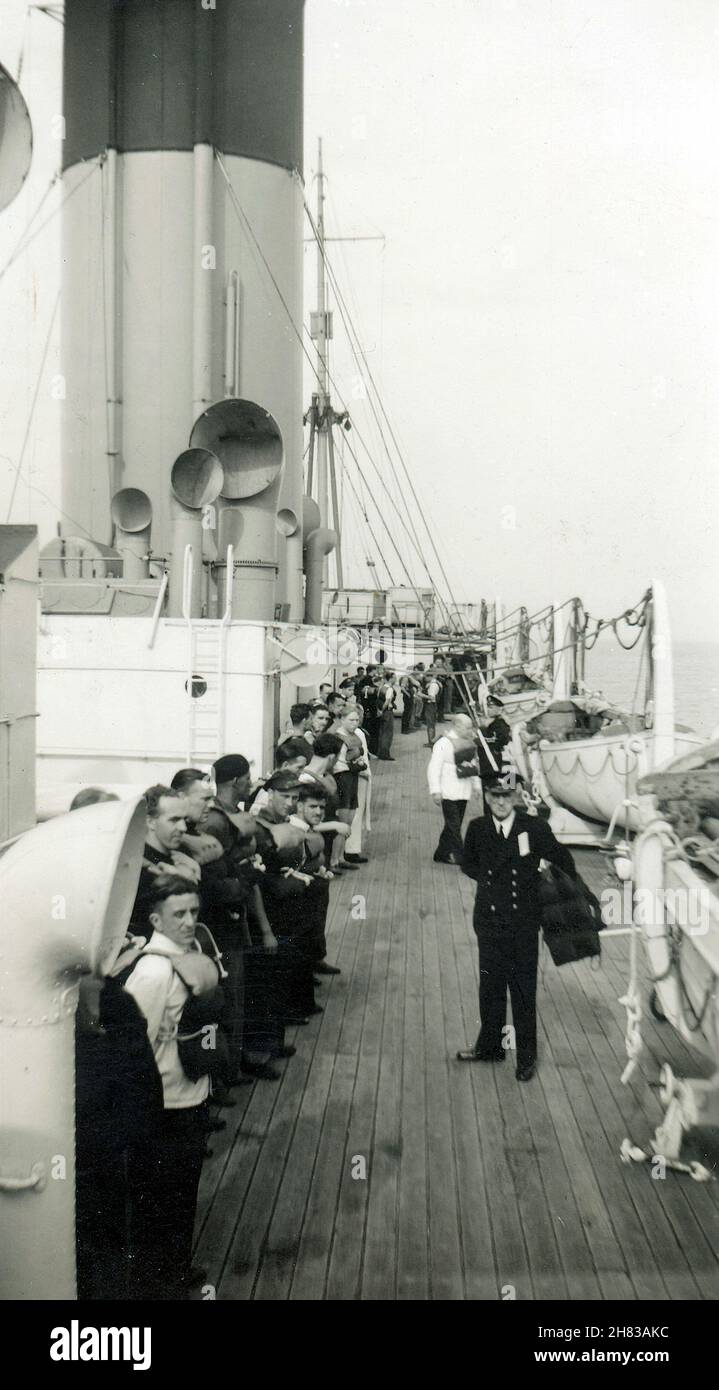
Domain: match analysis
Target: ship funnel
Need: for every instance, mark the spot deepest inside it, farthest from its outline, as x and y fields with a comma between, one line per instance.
x=67, y=889
x=196, y=480
x=320, y=543
x=131, y=512
x=15, y=139
x=248, y=443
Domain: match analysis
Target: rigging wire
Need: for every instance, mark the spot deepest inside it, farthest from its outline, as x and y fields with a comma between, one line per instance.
x=36, y=392
x=351, y=295
x=23, y=40
x=246, y=223
x=17, y=249
x=56, y=11
x=369, y=528
x=94, y=164
x=352, y=335
x=358, y=352
x=343, y=306
x=349, y=326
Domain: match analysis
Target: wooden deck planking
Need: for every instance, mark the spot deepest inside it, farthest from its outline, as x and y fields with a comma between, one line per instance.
x=344, y=1271
x=474, y=1183
x=501, y=1114
x=513, y=1245
x=617, y=1111
x=693, y=1210
x=379, y=1269
x=443, y=1210
x=413, y=1260
x=483, y=1273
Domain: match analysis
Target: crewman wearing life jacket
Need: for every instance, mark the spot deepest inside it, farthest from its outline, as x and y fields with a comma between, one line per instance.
x=167, y=971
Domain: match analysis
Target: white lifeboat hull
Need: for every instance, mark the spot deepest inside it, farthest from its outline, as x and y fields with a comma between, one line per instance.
x=593, y=776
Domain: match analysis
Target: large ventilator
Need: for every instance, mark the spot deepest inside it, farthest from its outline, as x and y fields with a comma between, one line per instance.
x=196, y=480
x=67, y=890
x=247, y=441
x=317, y=542
x=131, y=513
x=15, y=139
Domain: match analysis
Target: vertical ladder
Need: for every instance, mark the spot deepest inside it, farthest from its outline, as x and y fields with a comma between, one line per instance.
x=206, y=647
x=205, y=711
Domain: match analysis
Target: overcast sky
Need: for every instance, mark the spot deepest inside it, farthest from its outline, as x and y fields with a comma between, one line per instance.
x=542, y=315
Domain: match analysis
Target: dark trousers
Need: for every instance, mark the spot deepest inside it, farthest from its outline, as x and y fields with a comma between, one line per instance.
x=233, y=989
x=173, y=1167
x=450, y=841
x=313, y=942
x=372, y=732
x=103, y=1220
x=407, y=712
x=386, y=733
x=264, y=1029
x=295, y=970
x=508, y=961
x=430, y=716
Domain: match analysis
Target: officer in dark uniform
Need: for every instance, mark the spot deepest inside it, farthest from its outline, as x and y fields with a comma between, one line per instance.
x=501, y=852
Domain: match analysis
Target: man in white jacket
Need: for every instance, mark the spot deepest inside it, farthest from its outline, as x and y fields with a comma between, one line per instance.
x=451, y=784
x=174, y=1166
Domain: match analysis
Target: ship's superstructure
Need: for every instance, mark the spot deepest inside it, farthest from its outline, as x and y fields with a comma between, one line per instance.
x=182, y=369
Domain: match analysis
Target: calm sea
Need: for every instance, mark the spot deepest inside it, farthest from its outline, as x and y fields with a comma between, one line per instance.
x=696, y=680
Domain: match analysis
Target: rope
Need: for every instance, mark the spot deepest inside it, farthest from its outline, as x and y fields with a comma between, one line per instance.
x=23, y=40
x=16, y=251
x=633, y=617
x=22, y=247
x=675, y=940
x=242, y=216
x=358, y=349
x=674, y=848
x=632, y=1002
x=592, y=776
x=18, y=469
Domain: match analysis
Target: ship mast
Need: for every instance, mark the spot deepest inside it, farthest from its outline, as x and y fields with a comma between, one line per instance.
x=321, y=416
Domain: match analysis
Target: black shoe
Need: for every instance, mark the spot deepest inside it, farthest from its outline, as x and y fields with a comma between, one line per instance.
x=196, y=1277
x=316, y=1009
x=295, y=1021
x=526, y=1073
x=207, y=1152
x=443, y=859
x=214, y=1126
x=472, y=1055
x=223, y=1098
x=347, y=864
x=262, y=1071
x=322, y=968
x=356, y=859
x=286, y=1051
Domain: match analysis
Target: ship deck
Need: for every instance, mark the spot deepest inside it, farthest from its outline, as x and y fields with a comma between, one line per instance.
x=473, y=1182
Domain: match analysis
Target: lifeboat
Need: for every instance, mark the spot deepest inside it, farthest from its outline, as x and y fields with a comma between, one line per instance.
x=585, y=757
x=597, y=777
x=521, y=693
